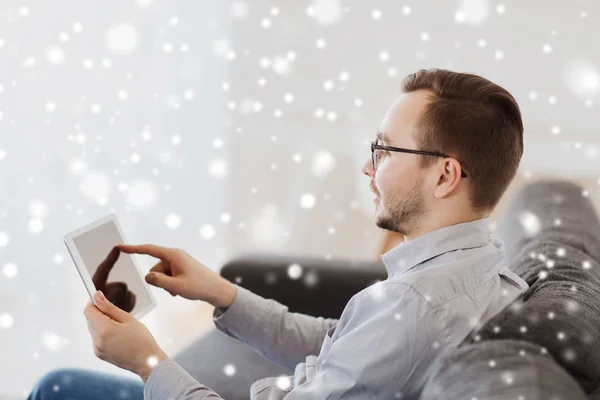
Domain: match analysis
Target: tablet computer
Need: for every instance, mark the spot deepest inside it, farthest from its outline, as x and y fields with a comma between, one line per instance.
x=102, y=266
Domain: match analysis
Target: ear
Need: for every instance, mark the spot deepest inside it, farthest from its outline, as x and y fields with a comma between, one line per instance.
x=448, y=178
x=110, y=309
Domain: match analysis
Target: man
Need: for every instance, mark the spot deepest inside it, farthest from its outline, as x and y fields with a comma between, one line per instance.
x=445, y=153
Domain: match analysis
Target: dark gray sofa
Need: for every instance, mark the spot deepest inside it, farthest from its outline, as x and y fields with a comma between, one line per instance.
x=546, y=345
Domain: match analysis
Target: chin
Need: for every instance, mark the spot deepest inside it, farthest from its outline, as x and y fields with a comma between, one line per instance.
x=380, y=220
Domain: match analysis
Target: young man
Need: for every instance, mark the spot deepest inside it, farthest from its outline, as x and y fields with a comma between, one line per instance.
x=445, y=153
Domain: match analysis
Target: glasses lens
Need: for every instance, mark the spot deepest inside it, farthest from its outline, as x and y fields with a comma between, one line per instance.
x=373, y=154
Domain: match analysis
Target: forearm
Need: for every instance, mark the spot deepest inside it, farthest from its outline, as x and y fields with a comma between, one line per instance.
x=270, y=329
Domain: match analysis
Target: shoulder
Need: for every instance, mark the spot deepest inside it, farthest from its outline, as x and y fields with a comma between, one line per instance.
x=453, y=274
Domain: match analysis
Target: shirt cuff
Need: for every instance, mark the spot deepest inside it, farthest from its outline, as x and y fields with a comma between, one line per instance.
x=219, y=311
x=247, y=313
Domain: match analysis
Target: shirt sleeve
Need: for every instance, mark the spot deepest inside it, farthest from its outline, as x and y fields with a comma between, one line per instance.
x=169, y=381
x=385, y=352
x=283, y=337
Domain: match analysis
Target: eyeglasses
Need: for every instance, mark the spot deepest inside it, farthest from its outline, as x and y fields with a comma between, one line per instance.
x=376, y=155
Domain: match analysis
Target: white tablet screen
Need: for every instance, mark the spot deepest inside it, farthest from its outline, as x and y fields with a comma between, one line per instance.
x=112, y=271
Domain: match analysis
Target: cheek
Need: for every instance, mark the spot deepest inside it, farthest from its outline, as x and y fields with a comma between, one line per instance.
x=379, y=182
x=389, y=179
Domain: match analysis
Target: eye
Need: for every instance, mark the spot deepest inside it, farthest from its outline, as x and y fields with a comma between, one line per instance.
x=381, y=153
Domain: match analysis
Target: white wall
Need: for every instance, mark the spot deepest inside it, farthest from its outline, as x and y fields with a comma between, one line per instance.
x=362, y=50
x=66, y=165
x=61, y=122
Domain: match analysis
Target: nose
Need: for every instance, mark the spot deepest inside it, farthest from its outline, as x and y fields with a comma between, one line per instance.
x=367, y=169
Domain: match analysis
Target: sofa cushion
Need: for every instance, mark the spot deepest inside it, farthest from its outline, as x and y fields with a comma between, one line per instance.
x=500, y=369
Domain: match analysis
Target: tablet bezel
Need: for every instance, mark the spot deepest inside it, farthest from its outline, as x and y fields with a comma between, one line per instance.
x=83, y=272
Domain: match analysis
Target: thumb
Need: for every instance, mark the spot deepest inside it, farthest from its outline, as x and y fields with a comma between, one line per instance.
x=110, y=309
x=161, y=280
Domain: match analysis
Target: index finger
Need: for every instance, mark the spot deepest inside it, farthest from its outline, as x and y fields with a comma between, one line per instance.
x=149, y=249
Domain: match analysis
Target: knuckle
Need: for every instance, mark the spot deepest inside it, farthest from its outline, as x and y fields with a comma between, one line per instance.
x=100, y=355
x=100, y=343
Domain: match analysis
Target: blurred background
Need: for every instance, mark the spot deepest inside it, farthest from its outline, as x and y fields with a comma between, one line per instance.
x=224, y=127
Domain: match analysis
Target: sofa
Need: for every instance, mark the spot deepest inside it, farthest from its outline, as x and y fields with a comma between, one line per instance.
x=546, y=345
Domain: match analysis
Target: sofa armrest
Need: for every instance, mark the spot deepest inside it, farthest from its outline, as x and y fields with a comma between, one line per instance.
x=322, y=289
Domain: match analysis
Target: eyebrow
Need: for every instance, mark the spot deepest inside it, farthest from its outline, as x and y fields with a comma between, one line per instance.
x=383, y=137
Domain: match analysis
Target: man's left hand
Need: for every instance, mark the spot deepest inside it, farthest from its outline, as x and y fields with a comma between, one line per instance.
x=120, y=339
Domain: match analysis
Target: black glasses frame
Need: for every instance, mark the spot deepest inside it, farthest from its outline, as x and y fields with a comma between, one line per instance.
x=375, y=146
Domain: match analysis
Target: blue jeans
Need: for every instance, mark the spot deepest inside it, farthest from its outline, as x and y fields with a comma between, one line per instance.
x=83, y=384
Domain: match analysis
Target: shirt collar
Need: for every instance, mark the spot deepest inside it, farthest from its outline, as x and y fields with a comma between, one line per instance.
x=412, y=253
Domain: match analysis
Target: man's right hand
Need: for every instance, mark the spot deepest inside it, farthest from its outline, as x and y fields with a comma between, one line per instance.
x=181, y=274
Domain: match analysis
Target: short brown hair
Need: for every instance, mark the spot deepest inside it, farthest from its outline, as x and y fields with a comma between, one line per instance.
x=476, y=121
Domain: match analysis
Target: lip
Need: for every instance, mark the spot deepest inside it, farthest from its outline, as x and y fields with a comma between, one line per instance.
x=375, y=193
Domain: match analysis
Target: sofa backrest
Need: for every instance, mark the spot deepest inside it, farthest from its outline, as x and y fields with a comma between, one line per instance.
x=560, y=311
